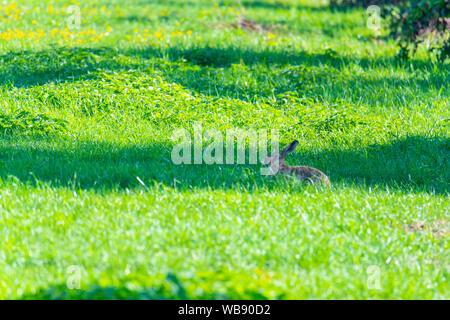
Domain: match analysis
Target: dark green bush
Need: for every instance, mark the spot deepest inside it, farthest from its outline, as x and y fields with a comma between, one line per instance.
x=416, y=21
x=413, y=21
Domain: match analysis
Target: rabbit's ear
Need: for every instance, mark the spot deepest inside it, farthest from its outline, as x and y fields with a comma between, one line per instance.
x=289, y=149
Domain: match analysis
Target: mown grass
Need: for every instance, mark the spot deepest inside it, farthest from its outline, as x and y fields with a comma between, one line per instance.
x=86, y=177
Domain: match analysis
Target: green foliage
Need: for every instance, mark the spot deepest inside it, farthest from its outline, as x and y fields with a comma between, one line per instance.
x=27, y=123
x=412, y=22
x=416, y=21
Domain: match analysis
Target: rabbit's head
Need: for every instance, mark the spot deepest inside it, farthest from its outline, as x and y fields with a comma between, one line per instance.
x=277, y=159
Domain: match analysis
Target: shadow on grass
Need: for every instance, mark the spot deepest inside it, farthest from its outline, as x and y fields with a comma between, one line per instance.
x=172, y=289
x=30, y=68
x=96, y=292
x=135, y=18
x=169, y=289
x=413, y=163
x=274, y=5
x=216, y=71
x=271, y=5
x=279, y=5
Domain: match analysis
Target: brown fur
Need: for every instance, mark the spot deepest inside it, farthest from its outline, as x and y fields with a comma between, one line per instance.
x=300, y=172
x=305, y=173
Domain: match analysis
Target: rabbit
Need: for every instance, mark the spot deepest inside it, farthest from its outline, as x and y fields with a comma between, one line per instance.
x=277, y=165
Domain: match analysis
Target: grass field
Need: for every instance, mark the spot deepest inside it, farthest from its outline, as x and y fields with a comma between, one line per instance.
x=89, y=194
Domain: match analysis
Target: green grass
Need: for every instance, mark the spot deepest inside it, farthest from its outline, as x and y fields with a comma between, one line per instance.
x=86, y=177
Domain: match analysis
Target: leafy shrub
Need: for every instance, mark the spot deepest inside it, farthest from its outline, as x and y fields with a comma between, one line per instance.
x=412, y=21
x=26, y=122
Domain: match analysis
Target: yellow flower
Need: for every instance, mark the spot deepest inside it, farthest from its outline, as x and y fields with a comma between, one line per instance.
x=189, y=32
x=34, y=21
x=158, y=34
